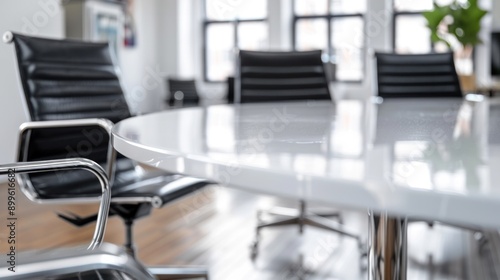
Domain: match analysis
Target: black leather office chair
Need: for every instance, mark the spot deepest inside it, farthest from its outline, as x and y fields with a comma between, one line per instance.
x=183, y=93
x=286, y=76
x=417, y=75
x=97, y=261
x=279, y=76
x=73, y=97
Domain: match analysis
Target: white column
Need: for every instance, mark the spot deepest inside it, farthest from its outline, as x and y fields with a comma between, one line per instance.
x=280, y=24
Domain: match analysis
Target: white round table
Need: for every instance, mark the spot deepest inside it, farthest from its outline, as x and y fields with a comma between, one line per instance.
x=433, y=159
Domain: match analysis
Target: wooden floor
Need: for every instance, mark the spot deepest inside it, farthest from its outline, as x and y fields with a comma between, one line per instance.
x=215, y=228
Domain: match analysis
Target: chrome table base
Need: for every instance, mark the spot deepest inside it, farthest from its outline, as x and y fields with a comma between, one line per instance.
x=387, y=252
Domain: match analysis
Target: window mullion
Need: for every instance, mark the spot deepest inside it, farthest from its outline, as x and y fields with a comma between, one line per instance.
x=236, y=39
x=329, y=30
x=235, y=23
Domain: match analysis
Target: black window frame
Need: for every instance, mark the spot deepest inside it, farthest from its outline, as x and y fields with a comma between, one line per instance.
x=329, y=17
x=236, y=22
x=395, y=15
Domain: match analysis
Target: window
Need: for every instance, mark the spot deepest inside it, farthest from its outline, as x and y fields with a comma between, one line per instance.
x=337, y=28
x=231, y=25
x=411, y=34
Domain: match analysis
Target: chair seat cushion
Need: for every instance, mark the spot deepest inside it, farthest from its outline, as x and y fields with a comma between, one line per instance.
x=129, y=182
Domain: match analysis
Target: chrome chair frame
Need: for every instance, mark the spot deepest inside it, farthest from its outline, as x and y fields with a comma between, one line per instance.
x=24, y=134
x=71, y=164
x=66, y=261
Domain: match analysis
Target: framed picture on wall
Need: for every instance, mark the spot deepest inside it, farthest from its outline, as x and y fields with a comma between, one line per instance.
x=130, y=31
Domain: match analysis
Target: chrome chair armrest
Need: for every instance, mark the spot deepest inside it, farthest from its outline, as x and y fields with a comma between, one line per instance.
x=69, y=164
x=73, y=261
x=105, y=124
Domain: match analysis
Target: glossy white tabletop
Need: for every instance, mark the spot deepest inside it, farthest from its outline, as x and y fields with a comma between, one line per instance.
x=436, y=159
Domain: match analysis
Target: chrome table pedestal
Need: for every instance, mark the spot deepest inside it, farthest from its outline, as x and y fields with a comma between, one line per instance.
x=387, y=245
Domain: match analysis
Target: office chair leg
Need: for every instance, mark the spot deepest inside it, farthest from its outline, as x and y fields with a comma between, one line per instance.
x=302, y=217
x=177, y=273
x=326, y=214
x=129, y=238
x=284, y=222
x=336, y=215
x=282, y=211
x=261, y=225
x=330, y=226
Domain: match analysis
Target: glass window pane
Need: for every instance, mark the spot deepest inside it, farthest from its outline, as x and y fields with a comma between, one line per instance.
x=348, y=6
x=254, y=9
x=219, y=10
x=412, y=34
x=220, y=51
x=233, y=9
x=311, y=7
x=253, y=36
x=418, y=5
x=348, y=45
x=312, y=34
x=412, y=5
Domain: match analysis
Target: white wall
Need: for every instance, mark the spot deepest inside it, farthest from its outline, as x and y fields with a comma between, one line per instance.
x=167, y=38
x=142, y=71
x=37, y=17
x=495, y=11
x=490, y=23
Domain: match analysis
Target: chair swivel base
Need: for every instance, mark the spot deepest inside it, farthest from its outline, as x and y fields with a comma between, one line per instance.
x=301, y=218
x=178, y=273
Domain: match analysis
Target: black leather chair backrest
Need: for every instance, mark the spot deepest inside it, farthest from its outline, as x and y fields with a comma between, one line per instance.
x=278, y=76
x=230, y=90
x=417, y=75
x=187, y=88
x=67, y=79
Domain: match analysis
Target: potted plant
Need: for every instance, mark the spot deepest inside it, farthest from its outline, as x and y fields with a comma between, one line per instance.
x=457, y=25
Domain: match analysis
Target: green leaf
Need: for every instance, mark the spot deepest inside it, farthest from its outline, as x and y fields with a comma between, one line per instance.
x=466, y=23
x=434, y=19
